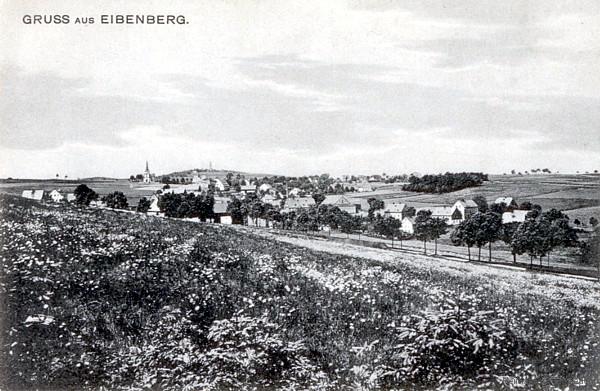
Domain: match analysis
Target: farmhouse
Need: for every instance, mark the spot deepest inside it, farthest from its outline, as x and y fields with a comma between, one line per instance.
x=516, y=216
x=271, y=200
x=220, y=213
x=292, y=204
x=248, y=188
x=395, y=210
x=154, y=209
x=462, y=210
x=37, y=195
x=265, y=187
x=342, y=202
x=71, y=197
x=55, y=196
x=442, y=212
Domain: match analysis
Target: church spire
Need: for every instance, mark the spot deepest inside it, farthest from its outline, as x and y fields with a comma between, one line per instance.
x=147, y=166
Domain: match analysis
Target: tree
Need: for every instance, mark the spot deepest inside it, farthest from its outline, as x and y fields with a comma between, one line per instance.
x=143, y=205
x=422, y=227
x=507, y=235
x=318, y=197
x=409, y=212
x=84, y=195
x=498, y=208
x=374, y=204
x=526, y=205
x=116, y=200
x=438, y=227
x=491, y=230
x=481, y=202
x=593, y=221
x=139, y=177
x=237, y=210
x=464, y=234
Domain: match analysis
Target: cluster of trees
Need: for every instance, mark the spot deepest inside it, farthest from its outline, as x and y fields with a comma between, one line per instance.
x=84, y=195
x=317, y=216
x=445, y=183
x=187, y=205
x=136, y=178
x=537, y=236
x=116, y=200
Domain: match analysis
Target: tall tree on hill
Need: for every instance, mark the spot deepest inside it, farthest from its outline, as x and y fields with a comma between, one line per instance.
x=409, y=212
x=318, y=197
x=84, y=195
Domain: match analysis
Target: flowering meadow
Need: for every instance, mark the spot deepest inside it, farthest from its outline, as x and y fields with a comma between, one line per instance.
x=101, y=300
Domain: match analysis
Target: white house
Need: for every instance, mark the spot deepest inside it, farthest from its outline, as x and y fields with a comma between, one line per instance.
x=516, y=216
x=37, y=195
x=408, y=225
x=71, y=197
x=220, y=212
x=462, y=210
x=55, y=196
x=265, y=187
x=294, y=192
x=292, y=204
x=394, y=209
x=342, y=202
x=154, y=209
x=271, y=200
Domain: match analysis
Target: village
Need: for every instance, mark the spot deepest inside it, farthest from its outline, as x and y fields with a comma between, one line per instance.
x=349, y=205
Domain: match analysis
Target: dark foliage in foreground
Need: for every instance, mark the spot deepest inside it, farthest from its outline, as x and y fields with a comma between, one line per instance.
x=102, y=299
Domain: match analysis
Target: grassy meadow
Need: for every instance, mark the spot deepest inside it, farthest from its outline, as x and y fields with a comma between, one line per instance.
x=99, y=300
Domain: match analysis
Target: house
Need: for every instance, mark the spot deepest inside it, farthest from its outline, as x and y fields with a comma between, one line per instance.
x=363, y=187
x=462, y=210
x=408, y=225
x=265, y=187
x=508, y=201
x=395, y=210
x=247, y=188
x=220, y=185
x=516, y=216
x=37, y=195
x=154, y=209
x=271, y=200
x=292, y=204
x=55, y=196
x=342, y=202
x=71, y=197
x=294, y=192
x=220, y=213
x=97, y=204
x=442, y=212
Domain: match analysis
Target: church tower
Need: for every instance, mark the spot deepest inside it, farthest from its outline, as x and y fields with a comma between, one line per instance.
x=147, y=176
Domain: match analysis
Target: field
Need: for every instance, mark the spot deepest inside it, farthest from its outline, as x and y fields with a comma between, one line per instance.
x=96, y=299
x=564, y=192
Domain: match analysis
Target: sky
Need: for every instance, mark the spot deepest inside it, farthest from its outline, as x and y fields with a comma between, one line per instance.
x=301, y=87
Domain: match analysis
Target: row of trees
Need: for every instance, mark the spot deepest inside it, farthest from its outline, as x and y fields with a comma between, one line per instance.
x=537, y=236
x=445, y=183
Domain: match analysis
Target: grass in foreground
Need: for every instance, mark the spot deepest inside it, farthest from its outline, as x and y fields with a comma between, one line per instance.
x=102, y=300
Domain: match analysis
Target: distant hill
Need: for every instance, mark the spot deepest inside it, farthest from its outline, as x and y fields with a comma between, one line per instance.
x=214, y=173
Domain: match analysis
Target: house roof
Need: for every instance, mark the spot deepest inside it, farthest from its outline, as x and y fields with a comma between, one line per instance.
x=394, y=208
x=468, y=203
x=220, y=207
x=337, y=199
x=441, y=211
x=302, y=202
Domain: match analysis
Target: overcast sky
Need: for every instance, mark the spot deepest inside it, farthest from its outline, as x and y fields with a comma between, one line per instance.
x=301, y=87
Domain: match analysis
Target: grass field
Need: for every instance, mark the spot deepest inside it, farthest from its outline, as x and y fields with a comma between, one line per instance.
x=564, y=192
x=95, y=299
